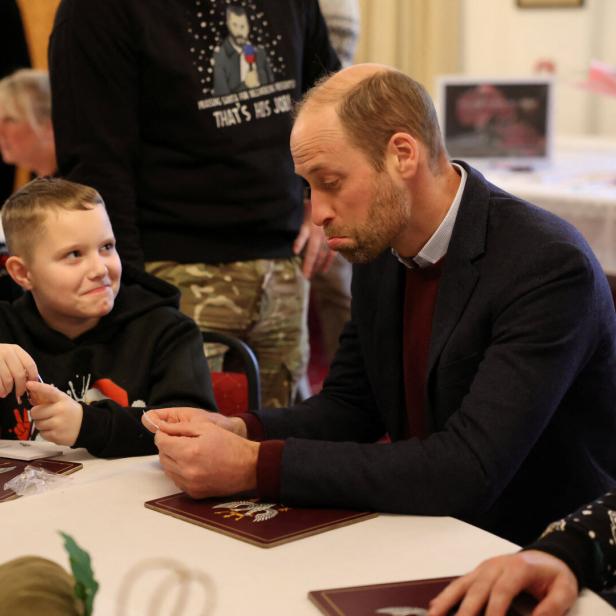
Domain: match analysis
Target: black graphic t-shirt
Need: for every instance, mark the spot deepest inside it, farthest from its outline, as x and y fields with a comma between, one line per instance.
x=179, y=113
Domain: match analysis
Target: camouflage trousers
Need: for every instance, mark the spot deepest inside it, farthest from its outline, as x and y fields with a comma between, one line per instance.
x=263, y=302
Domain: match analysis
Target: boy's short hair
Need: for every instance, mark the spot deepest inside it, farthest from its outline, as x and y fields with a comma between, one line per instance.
x=25, y=211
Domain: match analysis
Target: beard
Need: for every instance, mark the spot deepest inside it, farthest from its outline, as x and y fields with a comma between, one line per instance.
x=240, y=40
x=387, y=215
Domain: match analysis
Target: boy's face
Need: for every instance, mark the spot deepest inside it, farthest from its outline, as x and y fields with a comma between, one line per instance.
x=74, y=270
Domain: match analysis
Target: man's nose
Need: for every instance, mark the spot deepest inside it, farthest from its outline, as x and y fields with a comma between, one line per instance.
x=321, y=211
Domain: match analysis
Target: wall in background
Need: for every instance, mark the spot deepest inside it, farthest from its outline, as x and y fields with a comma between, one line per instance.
x=498, y=38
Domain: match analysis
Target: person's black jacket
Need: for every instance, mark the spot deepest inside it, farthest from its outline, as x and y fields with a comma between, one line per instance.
x=520, y=392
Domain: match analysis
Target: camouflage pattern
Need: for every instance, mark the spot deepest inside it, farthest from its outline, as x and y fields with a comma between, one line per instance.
x=331, y=294
x=31, y=586
x=263, y=302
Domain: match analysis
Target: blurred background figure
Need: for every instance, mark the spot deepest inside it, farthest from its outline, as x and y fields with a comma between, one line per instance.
x=342, y=19
x=14, y=54
x=26, y=133
x=331, y=290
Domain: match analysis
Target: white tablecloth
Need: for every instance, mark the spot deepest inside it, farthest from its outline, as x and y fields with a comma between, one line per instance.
x=579, y=186
x=102, y=507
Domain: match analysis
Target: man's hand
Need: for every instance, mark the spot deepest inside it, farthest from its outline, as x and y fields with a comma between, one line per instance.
x=495, y=582
x=16, y=368
x=181, y=421
x=207, y=460
x=311, y=239
x=56, y=416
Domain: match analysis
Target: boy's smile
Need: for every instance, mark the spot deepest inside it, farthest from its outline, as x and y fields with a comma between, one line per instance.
x=74, y=270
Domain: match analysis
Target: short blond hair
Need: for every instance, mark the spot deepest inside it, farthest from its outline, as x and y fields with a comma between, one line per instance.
x=377, y=107
x=26, y=95
x=24, y=213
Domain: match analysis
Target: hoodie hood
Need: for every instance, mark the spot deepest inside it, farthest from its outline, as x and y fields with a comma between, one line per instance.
x=139, y=293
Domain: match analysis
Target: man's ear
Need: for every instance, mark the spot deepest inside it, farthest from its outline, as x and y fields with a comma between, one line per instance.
x=19, y=272
x=404, y=153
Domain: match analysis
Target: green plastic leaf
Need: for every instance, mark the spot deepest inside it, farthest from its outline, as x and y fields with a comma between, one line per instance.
x=86, y=586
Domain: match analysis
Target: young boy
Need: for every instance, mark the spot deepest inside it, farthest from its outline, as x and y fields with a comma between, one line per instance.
x=114, y=349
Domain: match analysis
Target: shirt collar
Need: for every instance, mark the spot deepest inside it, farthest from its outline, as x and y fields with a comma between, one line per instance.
x=436, y=247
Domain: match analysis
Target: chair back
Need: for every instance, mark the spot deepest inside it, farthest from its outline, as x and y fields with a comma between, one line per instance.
x=235, y=392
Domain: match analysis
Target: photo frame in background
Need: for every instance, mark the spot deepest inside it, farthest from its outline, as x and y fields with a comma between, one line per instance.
x=549, y=4
x=498, y=121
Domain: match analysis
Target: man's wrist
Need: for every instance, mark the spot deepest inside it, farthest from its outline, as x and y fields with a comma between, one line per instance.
x=238, y=426
x=250, y=479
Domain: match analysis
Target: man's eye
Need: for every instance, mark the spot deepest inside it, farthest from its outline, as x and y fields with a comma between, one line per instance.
x=330, y=184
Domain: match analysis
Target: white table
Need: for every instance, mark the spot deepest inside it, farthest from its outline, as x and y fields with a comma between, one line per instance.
x=579, y=186
x=102, y=507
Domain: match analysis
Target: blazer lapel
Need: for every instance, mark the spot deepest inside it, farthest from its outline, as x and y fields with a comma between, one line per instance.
x=459, y=272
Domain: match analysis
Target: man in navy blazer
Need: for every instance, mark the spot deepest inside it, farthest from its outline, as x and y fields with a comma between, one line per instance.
x=482, y=339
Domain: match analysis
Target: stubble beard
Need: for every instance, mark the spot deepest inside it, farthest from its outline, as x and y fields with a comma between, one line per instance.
x=389, y=213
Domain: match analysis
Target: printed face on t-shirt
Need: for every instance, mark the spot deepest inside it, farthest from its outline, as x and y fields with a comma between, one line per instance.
x=238, y=28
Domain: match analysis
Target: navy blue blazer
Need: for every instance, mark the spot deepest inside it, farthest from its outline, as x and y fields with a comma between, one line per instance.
x=521, y=387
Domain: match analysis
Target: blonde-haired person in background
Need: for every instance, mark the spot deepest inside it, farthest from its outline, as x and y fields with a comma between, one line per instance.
x=26, y=133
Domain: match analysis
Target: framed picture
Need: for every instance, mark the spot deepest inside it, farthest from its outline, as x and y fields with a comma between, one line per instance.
x=499, y=121
x=549, y=4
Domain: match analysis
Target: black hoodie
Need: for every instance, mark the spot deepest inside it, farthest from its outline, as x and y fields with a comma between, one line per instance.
x=144, y=354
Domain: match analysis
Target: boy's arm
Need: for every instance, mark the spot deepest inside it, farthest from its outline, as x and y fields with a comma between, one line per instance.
x=178, y=376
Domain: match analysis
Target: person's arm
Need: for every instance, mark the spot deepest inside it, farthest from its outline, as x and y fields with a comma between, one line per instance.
x=586, y=542
x=93, y=64
x=576, y=552
x=496, y=582
x=179, y=377
x=541, y=335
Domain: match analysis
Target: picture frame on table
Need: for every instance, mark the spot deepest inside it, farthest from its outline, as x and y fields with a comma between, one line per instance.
x=549, y=4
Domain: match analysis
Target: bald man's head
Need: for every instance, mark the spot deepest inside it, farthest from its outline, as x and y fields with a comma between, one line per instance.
x=373, y=102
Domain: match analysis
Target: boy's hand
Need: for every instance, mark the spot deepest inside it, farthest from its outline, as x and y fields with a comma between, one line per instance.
x=183, y=421
x=16, y=368
x=57, y=417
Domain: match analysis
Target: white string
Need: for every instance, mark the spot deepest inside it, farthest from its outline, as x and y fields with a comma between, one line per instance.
x=181, y=579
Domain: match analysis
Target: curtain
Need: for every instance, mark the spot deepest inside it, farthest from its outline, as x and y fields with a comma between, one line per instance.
x=420, y=37
x=37, y=17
